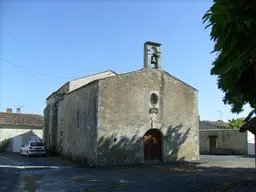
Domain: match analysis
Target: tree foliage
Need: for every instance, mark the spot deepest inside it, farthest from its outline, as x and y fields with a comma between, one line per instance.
x=235, y=123
x=233, y=30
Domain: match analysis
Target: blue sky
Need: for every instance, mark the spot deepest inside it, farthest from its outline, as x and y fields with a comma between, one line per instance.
x=44, y=44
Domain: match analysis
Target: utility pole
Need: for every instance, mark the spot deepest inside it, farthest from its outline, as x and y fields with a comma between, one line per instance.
x=220, y=114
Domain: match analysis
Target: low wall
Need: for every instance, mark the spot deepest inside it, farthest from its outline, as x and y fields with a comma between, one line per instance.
x=251, y=144
x=228, y=142
x=10, y=133
x=18, y=136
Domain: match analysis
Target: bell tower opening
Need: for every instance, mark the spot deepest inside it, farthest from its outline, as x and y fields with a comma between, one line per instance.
x=152, y=55
x=154, y=64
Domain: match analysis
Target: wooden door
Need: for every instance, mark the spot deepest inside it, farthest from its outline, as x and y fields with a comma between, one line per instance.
x=153, y=146
x=213, y=144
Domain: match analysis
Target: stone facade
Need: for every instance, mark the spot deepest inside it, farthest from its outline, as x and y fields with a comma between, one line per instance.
x=145, y=116
x=51, y=116
x=79, y=124
x=124, y=117
x=54, y=108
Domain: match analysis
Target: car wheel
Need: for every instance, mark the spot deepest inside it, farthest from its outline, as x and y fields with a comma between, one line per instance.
x=44, y=155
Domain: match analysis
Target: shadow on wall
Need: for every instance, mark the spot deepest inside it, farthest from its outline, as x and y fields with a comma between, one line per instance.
x=123, y=150
x=13, y=144
x=176, y=137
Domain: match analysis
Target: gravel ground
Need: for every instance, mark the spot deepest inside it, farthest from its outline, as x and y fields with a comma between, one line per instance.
x=212, y=173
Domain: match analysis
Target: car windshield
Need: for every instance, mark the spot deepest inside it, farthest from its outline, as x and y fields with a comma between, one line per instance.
x=37, y=144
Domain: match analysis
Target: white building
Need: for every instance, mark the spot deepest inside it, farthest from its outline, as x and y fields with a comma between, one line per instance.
x=250, y=143
x=18, y=128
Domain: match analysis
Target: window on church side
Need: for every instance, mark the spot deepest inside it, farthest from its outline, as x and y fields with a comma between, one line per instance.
x=85, y=119
x=77, y=119
x=153, y=99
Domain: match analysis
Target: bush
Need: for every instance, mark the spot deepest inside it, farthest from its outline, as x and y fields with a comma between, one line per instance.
x=4, y=145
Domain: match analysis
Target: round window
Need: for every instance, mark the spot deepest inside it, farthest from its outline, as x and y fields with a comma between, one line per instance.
x=153, y=99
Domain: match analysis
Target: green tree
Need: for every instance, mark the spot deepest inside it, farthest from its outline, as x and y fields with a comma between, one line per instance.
x=235, y=123
x=233, y=29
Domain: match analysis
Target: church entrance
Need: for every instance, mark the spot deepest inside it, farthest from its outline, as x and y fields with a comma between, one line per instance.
x=152, y=146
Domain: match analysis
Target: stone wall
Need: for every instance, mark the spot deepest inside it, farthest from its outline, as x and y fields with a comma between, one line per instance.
x=80, y=123
x=46, y=125
x=227, y=141
x=60, y=121
x=54, y=112
x=123, y=117
x=52, y=98
x=51, y=118
x=53, y=128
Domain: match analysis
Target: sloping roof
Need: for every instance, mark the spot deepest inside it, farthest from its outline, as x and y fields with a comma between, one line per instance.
x=85, y=77
x=51, y=95
x=212, y=124
x=86, y=85
x=144, y=69
x=21, y=119
x=77, y=83
x=57, y=90
x=115, y=75
x=249, y=126
x=107, y=71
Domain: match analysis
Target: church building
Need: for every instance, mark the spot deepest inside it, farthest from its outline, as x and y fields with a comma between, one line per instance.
x=142, y=117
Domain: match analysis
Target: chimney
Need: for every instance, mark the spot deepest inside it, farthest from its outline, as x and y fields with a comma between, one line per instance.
x=18, y=110
x=8, y=110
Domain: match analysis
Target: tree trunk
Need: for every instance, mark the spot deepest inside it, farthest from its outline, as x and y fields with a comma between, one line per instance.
x=255, y=148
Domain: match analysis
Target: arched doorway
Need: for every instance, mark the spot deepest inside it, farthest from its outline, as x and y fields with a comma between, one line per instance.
x=152, y=146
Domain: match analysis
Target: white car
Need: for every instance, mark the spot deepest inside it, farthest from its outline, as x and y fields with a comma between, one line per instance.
x=33, y=148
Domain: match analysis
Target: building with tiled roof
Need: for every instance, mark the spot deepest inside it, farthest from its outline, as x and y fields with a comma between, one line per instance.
x=17, y=128
x=21, y=119
x=217, y=138
x=212, y=125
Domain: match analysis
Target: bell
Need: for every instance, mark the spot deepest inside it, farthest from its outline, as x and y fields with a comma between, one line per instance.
x=153, y=58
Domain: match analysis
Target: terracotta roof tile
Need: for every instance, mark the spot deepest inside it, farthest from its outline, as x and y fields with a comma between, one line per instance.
x=21, y=119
